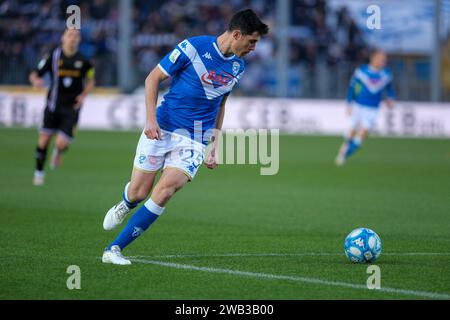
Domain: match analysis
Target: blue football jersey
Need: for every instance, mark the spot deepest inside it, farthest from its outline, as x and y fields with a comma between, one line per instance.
x=368, y=86
x=201, y=77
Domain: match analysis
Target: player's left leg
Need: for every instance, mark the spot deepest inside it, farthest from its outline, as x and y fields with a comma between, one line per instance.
x=68, y=120
x=172, y=180
x=62, y=143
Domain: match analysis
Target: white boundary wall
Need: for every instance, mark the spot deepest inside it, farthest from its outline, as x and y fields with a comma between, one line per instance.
x=127, y=112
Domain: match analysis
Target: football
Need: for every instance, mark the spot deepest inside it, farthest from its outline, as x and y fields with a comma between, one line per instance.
x=362, y=245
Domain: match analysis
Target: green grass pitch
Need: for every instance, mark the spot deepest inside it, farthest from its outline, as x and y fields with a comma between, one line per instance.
x=231, y=233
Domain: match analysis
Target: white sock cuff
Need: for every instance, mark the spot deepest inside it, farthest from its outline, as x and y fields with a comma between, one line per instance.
x=153, y=207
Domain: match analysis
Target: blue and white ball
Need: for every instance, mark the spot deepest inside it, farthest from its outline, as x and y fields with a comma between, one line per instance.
x=362, y=245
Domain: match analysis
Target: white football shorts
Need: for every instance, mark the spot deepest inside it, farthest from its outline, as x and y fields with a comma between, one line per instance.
x=172, y=151
x=363, y=117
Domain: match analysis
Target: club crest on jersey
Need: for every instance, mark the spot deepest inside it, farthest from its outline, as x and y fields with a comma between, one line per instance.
x=78, y=64
x=217, y=79
x=235, y=68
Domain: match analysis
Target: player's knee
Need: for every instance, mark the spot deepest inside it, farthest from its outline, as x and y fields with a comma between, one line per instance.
x=137, y=193
x=165, y=193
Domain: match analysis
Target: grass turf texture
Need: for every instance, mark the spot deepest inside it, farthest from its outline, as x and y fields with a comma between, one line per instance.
x=397, y=187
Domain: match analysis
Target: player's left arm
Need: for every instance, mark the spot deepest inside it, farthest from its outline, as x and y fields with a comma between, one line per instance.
x=89, y=85
x=211, y=159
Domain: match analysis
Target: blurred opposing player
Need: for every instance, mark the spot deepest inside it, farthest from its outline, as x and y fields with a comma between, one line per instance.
x=204, y=70
x=369, y=85
x=72, y=78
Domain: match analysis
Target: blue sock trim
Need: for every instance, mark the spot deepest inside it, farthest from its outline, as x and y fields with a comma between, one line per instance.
x=129, y=204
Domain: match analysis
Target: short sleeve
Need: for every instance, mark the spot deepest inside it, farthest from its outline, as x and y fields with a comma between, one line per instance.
x=173, y=62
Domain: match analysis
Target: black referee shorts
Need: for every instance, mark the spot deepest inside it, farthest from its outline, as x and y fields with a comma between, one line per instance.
x=62, y=120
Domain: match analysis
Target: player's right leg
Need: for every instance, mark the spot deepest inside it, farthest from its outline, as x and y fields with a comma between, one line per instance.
x=341, y=156
x=49, y=127
x=45, y=136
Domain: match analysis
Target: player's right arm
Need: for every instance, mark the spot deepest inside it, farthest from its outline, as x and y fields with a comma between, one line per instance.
x=43, y=66
x=152, y=130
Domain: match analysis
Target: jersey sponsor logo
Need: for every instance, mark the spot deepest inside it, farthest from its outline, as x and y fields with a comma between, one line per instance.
x=216, y=79
x=69, y=73
x=174, y=55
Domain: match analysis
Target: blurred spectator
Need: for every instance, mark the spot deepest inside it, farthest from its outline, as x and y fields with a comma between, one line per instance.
x=29, y=30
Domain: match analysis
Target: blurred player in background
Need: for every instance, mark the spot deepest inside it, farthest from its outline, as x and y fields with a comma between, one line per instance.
x=72, y=78
x=370, y=84
x=204, y=70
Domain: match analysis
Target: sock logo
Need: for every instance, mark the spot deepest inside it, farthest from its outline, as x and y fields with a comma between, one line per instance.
x=137, y=232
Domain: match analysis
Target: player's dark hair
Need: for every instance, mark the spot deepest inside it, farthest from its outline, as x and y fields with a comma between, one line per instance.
x=247, y=22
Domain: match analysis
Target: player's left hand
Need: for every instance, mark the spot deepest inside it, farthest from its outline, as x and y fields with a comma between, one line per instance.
x=79, y=101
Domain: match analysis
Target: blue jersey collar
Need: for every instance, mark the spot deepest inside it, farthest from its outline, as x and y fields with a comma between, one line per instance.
x=216, y=46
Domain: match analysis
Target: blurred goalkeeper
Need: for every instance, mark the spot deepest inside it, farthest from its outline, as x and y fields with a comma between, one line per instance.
x=72, y=78
x=370, y=84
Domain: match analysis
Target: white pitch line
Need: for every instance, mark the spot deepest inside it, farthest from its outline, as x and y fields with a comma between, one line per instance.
x=422, y=294
x=286, y=254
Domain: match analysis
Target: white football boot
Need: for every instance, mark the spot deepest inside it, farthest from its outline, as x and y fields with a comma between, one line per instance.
x=114, y=256
x=340, y=160
x=38, y=178
x=116, y=215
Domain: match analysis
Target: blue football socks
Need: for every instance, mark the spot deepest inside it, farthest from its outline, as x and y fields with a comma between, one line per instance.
x=138, y=223
x=352, y=146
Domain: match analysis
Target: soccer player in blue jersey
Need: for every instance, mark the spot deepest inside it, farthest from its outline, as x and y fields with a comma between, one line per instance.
x=204, y=70
x=370, y=84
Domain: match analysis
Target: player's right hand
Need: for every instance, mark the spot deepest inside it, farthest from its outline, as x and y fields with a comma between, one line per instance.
x=152, y=130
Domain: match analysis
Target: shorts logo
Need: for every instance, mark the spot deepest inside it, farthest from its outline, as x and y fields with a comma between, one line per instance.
x=152, y=160
x=142, y=158
x=236, y=67
x=67, y=81
x=174, y=55
x=137, y=232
